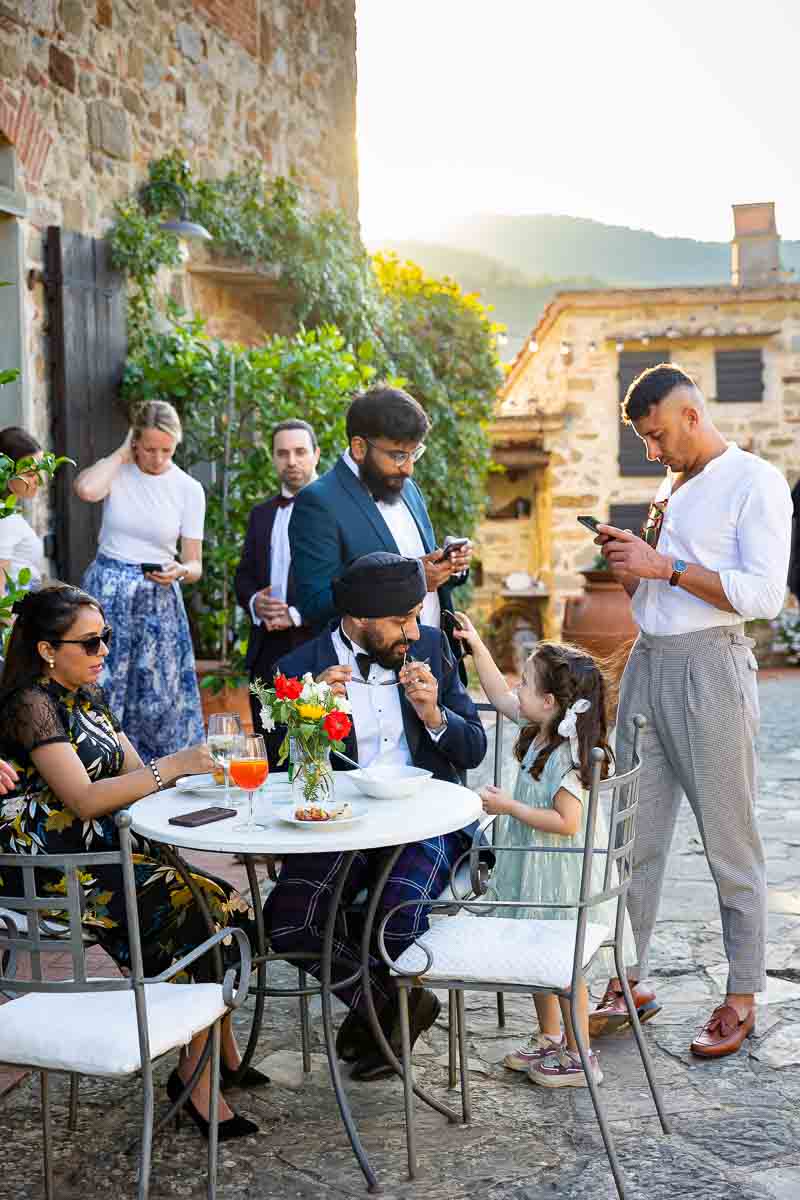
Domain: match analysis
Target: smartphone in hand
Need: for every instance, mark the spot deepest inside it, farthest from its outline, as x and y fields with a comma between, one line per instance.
x=451, y=547
x=150, y=568
x=590, y=523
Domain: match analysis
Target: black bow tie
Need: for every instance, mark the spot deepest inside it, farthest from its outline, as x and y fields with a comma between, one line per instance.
x=363, y=660
x=285, y=501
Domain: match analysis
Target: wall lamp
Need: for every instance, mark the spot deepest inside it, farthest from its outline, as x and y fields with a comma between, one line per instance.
x=182, y=227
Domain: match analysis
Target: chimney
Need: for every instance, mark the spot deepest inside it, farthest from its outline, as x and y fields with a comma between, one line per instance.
x=755, y=257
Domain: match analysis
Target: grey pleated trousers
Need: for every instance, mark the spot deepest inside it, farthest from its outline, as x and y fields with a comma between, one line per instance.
x=699, y=694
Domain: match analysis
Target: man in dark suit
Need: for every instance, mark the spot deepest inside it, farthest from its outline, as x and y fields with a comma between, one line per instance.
x=264, y=581
x=413, y=711
x=369, y=502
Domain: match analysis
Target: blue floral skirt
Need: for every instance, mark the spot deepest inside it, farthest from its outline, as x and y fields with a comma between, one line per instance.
x=149, y=676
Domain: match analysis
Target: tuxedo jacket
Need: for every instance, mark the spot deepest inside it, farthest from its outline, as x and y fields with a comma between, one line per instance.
x=461, y=747
x=264, y=647
x=335, y=520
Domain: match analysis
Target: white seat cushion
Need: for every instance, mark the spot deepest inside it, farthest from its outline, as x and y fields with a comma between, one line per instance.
x=474, y=949
x=95, y=1033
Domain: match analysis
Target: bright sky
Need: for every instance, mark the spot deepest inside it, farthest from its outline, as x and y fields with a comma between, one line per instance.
x=658, y=114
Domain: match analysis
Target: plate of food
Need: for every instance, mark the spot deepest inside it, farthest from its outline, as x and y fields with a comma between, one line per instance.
x=324, y=816
x=206, y=786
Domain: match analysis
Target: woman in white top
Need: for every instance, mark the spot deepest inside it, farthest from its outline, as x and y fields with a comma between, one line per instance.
x=150, y=505
x=20, y=545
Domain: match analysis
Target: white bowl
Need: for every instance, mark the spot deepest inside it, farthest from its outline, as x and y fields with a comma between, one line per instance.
x=389, y=783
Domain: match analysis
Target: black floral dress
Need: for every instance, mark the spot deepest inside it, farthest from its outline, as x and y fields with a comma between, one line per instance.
x=34, y=821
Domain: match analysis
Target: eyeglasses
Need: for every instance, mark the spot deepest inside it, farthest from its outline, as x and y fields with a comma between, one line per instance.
x=399, y=457
x=91, y=645
x=651, y=530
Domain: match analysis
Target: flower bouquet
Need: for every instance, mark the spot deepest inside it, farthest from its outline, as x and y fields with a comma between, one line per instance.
x=316, y=721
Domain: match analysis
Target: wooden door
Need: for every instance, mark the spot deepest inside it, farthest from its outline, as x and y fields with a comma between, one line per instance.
x=86, y=299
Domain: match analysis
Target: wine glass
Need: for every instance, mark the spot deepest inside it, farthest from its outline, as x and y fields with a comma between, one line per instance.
x=249, y=768
x=223, y=730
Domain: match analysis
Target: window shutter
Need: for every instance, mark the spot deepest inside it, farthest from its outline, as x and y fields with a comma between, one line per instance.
x=628, y=516
x=632, y=457
x=740, y=376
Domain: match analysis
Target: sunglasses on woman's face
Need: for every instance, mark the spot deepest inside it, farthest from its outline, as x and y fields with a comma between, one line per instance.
x=91, y=645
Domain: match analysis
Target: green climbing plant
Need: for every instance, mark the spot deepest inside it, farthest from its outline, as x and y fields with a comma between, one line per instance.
x=229, y=398
x=360, y=319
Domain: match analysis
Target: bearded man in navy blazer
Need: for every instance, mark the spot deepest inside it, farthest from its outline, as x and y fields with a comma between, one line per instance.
x=264, y=581
x=369, y=502
x=408, y=707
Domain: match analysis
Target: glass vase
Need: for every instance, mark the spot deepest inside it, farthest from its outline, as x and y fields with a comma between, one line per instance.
x=310, y=775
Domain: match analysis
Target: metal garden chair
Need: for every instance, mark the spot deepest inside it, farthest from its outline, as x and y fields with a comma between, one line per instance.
x=468, y=954
x=459, y=889
x=108, y=1027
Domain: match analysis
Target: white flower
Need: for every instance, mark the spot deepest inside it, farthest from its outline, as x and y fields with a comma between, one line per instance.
x=343, y=704
x=314, y=693
x=266, y=720
x=12, y=808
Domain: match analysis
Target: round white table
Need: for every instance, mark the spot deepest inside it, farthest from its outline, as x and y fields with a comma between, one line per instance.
x=436, y=808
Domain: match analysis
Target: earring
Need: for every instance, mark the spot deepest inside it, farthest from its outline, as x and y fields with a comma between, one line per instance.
x=51, y=662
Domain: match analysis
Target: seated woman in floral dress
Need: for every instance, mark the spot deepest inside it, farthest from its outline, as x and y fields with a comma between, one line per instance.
x=76, y=769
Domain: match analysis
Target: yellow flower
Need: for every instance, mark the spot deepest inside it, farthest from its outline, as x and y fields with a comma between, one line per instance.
x=60, y=818
x=311, y=712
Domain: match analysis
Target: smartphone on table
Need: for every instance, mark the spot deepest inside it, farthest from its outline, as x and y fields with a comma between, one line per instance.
x=203, y=816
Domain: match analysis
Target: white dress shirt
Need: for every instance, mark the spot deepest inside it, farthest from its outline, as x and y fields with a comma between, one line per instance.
x=404, y=530
x=280, y=560
x=376, y=712
x=735, y=518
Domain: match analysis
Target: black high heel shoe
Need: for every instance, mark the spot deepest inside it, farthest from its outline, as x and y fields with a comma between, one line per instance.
x=251, y=1078
x=235, y=1127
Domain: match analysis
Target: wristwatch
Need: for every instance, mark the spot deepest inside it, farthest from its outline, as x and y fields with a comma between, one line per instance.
x=437, y=733
x=678, y=567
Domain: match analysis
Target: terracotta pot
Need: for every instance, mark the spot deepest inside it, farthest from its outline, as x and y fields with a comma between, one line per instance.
x=227, y=700
x=600, y=620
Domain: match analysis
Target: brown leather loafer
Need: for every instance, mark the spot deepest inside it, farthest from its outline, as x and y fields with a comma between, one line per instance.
x=723, y=1033
x=611, y=1015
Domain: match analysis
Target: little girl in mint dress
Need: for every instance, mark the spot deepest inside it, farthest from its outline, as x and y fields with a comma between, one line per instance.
x=560, y=707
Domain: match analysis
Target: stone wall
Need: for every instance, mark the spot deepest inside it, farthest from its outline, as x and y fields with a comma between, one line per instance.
x=93, y=90
x=570, y=383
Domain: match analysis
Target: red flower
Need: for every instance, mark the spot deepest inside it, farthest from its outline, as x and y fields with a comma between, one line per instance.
x=337, y=725
x=287, y=689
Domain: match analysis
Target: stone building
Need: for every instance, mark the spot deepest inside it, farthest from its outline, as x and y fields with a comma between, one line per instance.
x=93, y=90
x=558, y=430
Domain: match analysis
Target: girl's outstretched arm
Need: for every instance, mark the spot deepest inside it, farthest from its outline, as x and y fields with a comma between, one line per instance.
x=492, y=679
x=564, y=817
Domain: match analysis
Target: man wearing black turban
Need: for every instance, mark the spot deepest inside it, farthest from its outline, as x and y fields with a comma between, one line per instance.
x=414, y=710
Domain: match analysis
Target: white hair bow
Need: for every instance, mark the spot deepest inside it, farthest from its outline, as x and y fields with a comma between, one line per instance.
x=568, y=727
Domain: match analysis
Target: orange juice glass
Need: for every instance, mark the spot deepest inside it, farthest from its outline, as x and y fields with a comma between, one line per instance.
x=249, y=767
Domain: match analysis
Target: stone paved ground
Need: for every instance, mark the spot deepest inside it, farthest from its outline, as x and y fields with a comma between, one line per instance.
x=736, y=1123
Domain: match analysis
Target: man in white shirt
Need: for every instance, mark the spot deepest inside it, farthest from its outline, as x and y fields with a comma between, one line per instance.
x=264, y=579
x=713, y=554
x=369, y=502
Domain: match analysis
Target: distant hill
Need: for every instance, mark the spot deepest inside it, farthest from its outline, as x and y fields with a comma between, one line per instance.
x=515, y=298
x=518, y=263
x=563, y=246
